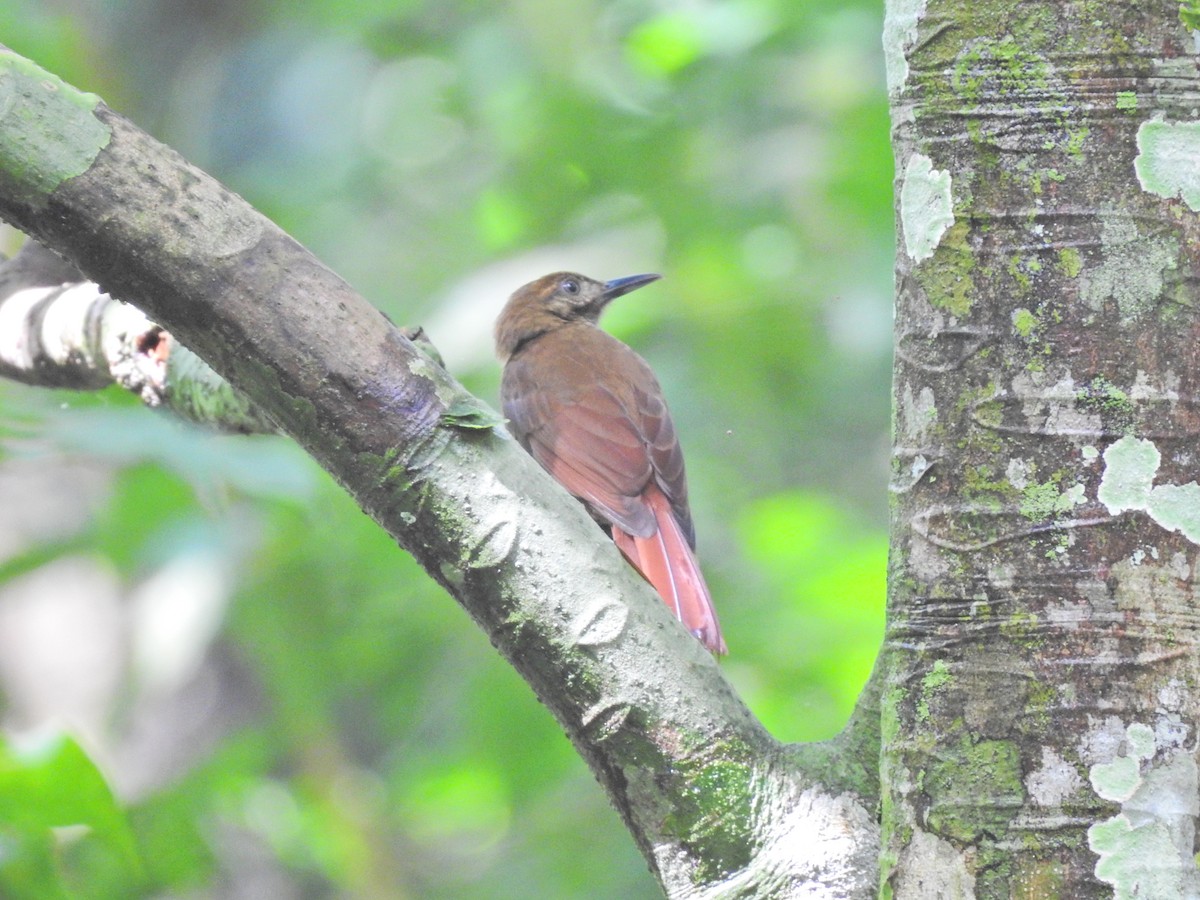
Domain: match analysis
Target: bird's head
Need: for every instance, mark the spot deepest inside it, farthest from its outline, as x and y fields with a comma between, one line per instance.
x=554, y=300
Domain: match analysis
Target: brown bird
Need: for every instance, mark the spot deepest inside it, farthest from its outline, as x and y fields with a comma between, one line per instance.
x=592, y=413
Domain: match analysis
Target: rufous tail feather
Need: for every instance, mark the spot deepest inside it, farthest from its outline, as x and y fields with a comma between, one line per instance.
x=667, y=562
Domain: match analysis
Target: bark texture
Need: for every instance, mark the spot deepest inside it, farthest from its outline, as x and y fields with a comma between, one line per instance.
x=1042, y=702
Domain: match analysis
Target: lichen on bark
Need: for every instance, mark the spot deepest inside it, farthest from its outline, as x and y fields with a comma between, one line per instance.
x=1034, y=544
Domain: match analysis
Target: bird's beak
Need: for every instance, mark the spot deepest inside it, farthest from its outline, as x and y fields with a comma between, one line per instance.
x=619, y=286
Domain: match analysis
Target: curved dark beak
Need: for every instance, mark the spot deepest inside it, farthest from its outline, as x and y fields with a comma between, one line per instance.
x=619, y=286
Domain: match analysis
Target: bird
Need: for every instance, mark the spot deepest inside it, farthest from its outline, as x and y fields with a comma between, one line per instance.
x=591, y=412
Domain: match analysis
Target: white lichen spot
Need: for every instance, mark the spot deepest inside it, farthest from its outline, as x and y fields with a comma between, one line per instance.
x=1018, y=473
x=1053, y=408
x=920, y=412
x=905, y=478
x=1146, y=850
x=1168, y=160
x=1117, y=779
x=900, y=21
x=1177, y=508
x=1171, y=731
x=424, y=367
x=1173, y=695
x=1132, y=273
x=1130, y=466
x=920, y=465
x=1070, y=421
x=1175, y=702
x=1090, y=453
x=926, y=206
x=1128, y=859
x=927, y=561
x=1141, y=740
x=1142, y=389
x=1054, y=782
x=1102, y=740
x=421, y=366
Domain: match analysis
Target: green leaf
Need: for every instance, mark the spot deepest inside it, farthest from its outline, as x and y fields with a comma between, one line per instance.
x=467, y=412
x=60, y=826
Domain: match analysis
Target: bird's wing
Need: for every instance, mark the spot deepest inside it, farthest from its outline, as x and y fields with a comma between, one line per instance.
x=656, y=429
x=590, y=444
x=591, y=412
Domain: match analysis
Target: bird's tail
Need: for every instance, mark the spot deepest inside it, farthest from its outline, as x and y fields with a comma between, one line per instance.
x=667, y=562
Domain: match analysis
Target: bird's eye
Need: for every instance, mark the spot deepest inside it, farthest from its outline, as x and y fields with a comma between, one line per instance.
x=570, y=286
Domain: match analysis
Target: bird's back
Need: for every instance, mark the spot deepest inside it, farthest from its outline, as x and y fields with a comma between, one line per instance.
x=590, y=410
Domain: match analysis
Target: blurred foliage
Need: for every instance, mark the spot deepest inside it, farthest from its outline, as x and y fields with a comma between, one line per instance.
x=52, y=786
x=294, y=708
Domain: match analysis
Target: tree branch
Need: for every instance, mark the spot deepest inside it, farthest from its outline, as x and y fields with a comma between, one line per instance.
x=711, y=799
x=59, y=330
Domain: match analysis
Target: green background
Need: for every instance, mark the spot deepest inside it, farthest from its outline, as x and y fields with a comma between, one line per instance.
x=285, y=703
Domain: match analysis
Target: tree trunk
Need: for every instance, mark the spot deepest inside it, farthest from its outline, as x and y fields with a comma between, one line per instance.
x=1040, y=709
